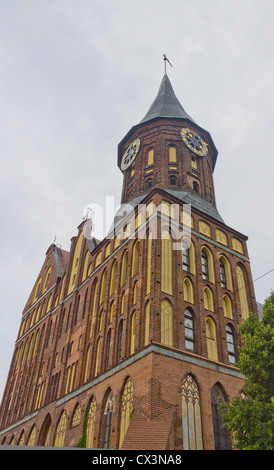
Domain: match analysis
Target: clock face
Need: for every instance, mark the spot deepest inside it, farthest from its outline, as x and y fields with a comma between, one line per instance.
x=130, y=154
x=194, y=142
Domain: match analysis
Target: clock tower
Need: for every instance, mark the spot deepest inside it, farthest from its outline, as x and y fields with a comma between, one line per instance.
x=129, y=342
x=167, y=150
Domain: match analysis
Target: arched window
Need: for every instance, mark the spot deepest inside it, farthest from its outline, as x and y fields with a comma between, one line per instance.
x=22, y=439
x=211, y=338
x=149, y=252
x=221, y=434
x=86, y=264
x=32, y=436
x=230, y=344
x=76, y=418
x=189, y=330
x=103, y=287
x=97, y=357
x=227, y=307
x=124, y=268
x=119, y=341
x=91, y=423
x=191, y=414
x=208, y=299
x=75, y=263
x=242, y=292
x=108, y=349
x=166, y=323
x=126, y=409
x=133, y=333
x=46, y=281
x=188, y=291
x=207, y=265
x=225, y=273
x=135, y=258
x=173, y=180
x=222, y=274
x=149, y=183
x=61, y=431
x=135, y=292
x=147, y=322
x=45, y=433
x=88, y=361
x=166, y=263
x=107, y=421
x=113, y=277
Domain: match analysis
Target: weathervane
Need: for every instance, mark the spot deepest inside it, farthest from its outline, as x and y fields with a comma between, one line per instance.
x=166, y=60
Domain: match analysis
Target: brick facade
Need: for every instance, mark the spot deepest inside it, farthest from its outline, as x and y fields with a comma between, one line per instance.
x=70, y=348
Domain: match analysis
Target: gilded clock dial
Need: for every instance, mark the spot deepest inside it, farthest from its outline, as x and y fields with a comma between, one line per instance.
x=130, y=154
x=194, y=142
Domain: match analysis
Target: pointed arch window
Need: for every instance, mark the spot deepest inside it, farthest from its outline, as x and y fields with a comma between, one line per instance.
x=227, y=306
x=242, y=292
x=191, y=414
x=103, y=287
x=61, y=431
x=208, y=299
x=119, y=341
x=108, y=349
x=166, y=323
x=211, y=338
x=124, y=268
x=222, y=274
x=205, y=267
x=135, y=258
x=133, y=333
x=108, y=421
x=113, y=278
x=221, y=434
x=91, y=423
x=126, y=409
x=188, y=291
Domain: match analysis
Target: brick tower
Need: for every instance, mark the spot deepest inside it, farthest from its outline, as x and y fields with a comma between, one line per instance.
x=131, y=342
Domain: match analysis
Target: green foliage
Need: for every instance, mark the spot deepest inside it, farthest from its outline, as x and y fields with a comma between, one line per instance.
x=250, y=417
x=83, y=439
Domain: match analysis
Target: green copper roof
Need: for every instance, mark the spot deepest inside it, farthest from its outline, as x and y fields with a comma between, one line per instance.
x=166, y=104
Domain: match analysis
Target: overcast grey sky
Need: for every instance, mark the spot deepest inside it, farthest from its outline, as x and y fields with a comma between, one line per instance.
x=76, y=75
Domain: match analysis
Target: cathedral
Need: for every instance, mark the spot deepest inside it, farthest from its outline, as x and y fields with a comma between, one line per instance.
x=131, y=342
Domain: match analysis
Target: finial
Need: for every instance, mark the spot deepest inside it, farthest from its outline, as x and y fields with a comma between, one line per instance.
x=166, y=60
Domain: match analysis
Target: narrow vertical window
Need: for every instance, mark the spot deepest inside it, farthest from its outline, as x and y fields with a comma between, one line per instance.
x=124, y=268
x=189, y=330
x=147, y=322
x=186, y=260
x=150, y=157
x=108, y=421
x=222, y=274
x=91, y=423
x=119, y=341
x=191, y=414
x=205, y=270
x=103, y=286
x=113, y=278
x=212, y=347
x=135, y=258
x=133, y=333
x=166, y=265
x=172, y=154
x=230, y=345
x=126, y=409
x=61, y=431
x=166, y=323
x=242, y=292
x=108, y=349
